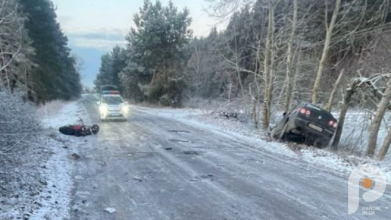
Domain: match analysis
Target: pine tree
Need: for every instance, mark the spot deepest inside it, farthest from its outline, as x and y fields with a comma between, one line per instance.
x=119, y=58
x=158, y=46
x=56, y=75
x=104, y=77
x=111, y=66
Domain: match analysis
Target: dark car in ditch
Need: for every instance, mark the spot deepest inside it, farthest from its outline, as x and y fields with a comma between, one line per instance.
x=306, y=123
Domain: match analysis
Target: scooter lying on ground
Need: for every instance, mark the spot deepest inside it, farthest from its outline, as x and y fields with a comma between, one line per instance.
x=79, y=129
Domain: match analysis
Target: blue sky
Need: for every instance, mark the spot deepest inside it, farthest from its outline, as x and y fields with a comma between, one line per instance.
x=94, y=27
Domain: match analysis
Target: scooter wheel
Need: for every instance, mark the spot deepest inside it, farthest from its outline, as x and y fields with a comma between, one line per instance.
x=95, y=129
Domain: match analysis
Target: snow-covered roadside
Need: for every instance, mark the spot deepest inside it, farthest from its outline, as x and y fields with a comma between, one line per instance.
x=242, y=131
x=56, y=171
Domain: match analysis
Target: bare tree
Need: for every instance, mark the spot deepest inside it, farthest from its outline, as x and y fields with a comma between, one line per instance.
x=288, y=80
x=15, y=50
x=256, y=85
x=370, y=88
x=326, y=47
x=381, y=109
x=334, y=91
x=385, y=146
x=342, y=115
x=268, y=66
x=225, y=8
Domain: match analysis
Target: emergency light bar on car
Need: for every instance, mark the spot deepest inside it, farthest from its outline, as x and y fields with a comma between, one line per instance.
x=111, y=92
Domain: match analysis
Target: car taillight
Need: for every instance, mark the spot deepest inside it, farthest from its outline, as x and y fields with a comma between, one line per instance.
x=304, y=111
x=334, y=124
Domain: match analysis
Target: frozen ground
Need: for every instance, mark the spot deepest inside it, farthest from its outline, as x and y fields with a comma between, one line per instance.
x=55, y=198
x=353, y=136
x=184, y=164
x=190, y=164
x=45, y=169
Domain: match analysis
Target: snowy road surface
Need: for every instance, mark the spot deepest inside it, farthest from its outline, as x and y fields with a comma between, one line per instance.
x=153, y=167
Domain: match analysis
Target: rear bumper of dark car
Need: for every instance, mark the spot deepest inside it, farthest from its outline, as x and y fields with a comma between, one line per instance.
x=302, y=128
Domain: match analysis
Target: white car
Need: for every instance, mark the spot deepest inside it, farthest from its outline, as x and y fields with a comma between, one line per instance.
x=112, y=106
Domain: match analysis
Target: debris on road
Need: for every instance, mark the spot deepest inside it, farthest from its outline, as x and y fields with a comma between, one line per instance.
x=110, y=210
x=191, y=152
x=75, y=156
x=137, y=178
x=43, y=182
x=178, y=131
x=179, y=141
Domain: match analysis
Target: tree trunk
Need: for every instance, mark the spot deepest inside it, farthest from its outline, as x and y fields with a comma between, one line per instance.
x=288, y=96
x=329, y=31
x=282, y=93
x=386, y=144
x=27, y=82
x=255, y=110
x=254, y=101
x=381, y=109
x=237, y=64
x=266, y=107
x=272, y=70
x=230, y=90
x=256, y=94
x=349, y=93
x=297, y=69
x=332, y=95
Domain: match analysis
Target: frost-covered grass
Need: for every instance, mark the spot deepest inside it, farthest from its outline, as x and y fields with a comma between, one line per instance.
x=21, y=149
x=35, y=161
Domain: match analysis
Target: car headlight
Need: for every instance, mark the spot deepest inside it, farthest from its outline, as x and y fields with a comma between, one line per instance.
x=103, y=109
x=125, y=109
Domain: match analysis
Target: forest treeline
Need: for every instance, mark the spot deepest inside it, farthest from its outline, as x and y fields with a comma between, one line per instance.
x=271, y=55
x=35, y=58
x=162, y=58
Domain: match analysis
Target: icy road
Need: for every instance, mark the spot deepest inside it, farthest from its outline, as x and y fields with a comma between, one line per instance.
x=154, y=167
